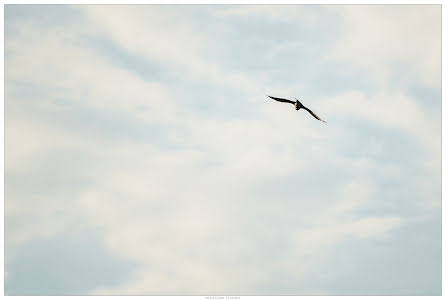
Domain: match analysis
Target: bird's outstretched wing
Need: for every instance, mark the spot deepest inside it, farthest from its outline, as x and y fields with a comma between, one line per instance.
x=313, y=114
x=282, y=100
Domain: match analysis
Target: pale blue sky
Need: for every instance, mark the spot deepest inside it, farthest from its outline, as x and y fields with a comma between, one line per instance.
x=142, y=156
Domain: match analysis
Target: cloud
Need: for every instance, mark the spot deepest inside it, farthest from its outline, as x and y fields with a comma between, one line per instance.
x=392, y=110
x=179, y=44
x=242, y=196
x=80, y=75
x=199, y=230
x=383, y=39
x=280, y=13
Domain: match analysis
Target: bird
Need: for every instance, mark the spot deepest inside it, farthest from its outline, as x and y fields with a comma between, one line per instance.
x=297, y=105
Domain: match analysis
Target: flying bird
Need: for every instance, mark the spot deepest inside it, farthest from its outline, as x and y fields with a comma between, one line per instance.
x=297, y=105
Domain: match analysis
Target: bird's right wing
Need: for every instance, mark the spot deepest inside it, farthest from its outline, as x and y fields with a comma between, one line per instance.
x=282, y=100
x=313, y=114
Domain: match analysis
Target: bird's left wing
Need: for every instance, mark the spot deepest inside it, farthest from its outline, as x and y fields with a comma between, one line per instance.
x=313, y=114
x=282, y=100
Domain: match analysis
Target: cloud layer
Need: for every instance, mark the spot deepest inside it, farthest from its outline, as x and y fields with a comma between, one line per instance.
x=147, y=130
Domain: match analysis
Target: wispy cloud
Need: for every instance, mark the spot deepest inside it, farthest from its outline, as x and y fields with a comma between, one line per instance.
x=384, y=39
x=187, y=171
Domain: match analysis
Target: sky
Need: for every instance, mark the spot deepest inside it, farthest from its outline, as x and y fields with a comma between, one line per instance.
x=143, y=157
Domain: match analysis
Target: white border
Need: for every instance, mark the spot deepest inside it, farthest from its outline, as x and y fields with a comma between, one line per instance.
x=345, y=2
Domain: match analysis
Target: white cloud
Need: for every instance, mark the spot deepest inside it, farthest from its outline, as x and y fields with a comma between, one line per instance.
x=384, y=38
x=50, y=59
x=175, y=210
x=392, y=110
x=170, y=38
x=271, y=13
x=185, y=222
x=196, y=218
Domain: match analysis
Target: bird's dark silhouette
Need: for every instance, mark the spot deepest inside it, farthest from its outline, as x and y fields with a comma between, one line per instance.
x=297, y=105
